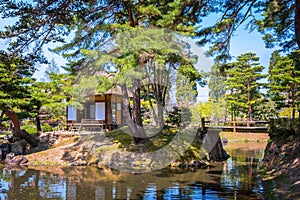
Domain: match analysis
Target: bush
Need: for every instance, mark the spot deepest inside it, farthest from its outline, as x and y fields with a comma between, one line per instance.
x=179, y=116
x=46, y=128
x=27, y=122
x=31, y=129
x=5, y=125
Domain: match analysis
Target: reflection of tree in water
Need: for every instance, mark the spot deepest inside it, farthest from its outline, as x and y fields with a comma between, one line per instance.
x=22, y=183
x=29, y=184
x=231, y=180
x=239, y=171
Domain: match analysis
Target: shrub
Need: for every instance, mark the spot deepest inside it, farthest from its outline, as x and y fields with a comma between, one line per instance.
x=31, y=129
x=5, y=125
x=46, y=128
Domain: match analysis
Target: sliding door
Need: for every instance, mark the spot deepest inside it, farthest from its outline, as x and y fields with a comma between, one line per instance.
x=71, y=113
x=100, y=111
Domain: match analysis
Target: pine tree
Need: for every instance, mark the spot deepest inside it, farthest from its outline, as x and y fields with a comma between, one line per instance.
x=284, y=80
x=92, y=24
x=217, y=93
x=243, y=84
x=15, y=86
x=185, y=91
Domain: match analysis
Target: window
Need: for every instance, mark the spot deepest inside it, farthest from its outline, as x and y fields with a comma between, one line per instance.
x=92, y=111
x=100, y=111
x=71, y=113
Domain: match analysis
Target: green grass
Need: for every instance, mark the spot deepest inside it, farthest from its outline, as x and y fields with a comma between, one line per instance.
x=244, y=137
x=124, y=139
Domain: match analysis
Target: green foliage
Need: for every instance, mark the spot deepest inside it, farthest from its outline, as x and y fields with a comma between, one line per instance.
x=216, y=84
x=265, y=110
x=179, y=116
x=120, y=137
x=186, y=91
x=287, y=112
x=90, y=23
x=284, y=80
x=202, y=110
x=243, y=85
x=46, y=128
x=51, y=94
x=15, y=82
x=5, y=125
x=31, y=129
x=274, y=19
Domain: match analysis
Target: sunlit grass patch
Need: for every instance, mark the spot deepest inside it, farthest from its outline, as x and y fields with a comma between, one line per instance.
x=244, y=137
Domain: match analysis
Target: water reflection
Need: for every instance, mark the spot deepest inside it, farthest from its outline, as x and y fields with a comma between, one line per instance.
x=233, y=179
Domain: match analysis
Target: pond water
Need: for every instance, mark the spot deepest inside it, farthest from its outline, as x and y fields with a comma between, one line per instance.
x=233, y=179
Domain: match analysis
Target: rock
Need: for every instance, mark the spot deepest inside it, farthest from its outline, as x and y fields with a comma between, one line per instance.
x=78, y=163
x=5, y=148
x=224, y=141
x=18, y=148
x=11, y=159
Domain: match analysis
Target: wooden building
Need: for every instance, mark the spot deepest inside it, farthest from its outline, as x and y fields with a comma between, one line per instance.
x=104, y=109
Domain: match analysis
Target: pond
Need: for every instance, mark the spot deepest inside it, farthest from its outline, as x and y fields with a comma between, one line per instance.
x=233, y=179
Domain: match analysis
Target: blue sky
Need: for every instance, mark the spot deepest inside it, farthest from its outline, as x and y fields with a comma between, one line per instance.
x=242, y=42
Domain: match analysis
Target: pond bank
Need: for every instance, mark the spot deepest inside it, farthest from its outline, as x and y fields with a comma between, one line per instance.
x=232, y=179
x=115, y=150
x=281, y=163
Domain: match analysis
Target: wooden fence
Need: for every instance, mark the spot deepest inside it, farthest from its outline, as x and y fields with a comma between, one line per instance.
x=237, y=126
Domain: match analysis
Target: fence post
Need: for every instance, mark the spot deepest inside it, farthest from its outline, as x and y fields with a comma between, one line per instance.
x=234, y=125
x=203, y=123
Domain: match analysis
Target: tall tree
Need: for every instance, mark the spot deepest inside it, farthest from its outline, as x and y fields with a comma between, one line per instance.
x=15, y=83
x=284, y=80
x=92, y=23
x=187, y=80
x=50, y=96
x=142, y=64
x=243, y=83
x=217, y=93
x=185, y=91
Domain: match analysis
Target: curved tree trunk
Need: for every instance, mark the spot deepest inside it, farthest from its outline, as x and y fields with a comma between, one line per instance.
x=16, y=130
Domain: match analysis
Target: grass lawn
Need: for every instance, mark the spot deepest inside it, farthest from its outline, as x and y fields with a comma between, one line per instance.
x=245, y=137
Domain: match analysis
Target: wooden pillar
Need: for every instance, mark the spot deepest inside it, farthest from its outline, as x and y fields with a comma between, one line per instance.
x=203, y=123
x=234, y=125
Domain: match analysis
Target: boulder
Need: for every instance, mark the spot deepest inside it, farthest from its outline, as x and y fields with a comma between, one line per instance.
x=12, y=159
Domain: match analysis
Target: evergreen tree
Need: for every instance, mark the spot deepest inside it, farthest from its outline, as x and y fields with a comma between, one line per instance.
x=15, y=91
x=92, y=23
x=186, y=93
x=243, y=84
x=142, y=64
x=217, y=93
x=284, y=80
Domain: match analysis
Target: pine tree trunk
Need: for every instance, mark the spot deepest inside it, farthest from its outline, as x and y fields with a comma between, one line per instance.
x=249, y=102
x=293, y=102
x=38, y=124
x=17, y=129
x=140, y=137
x=137, y=131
